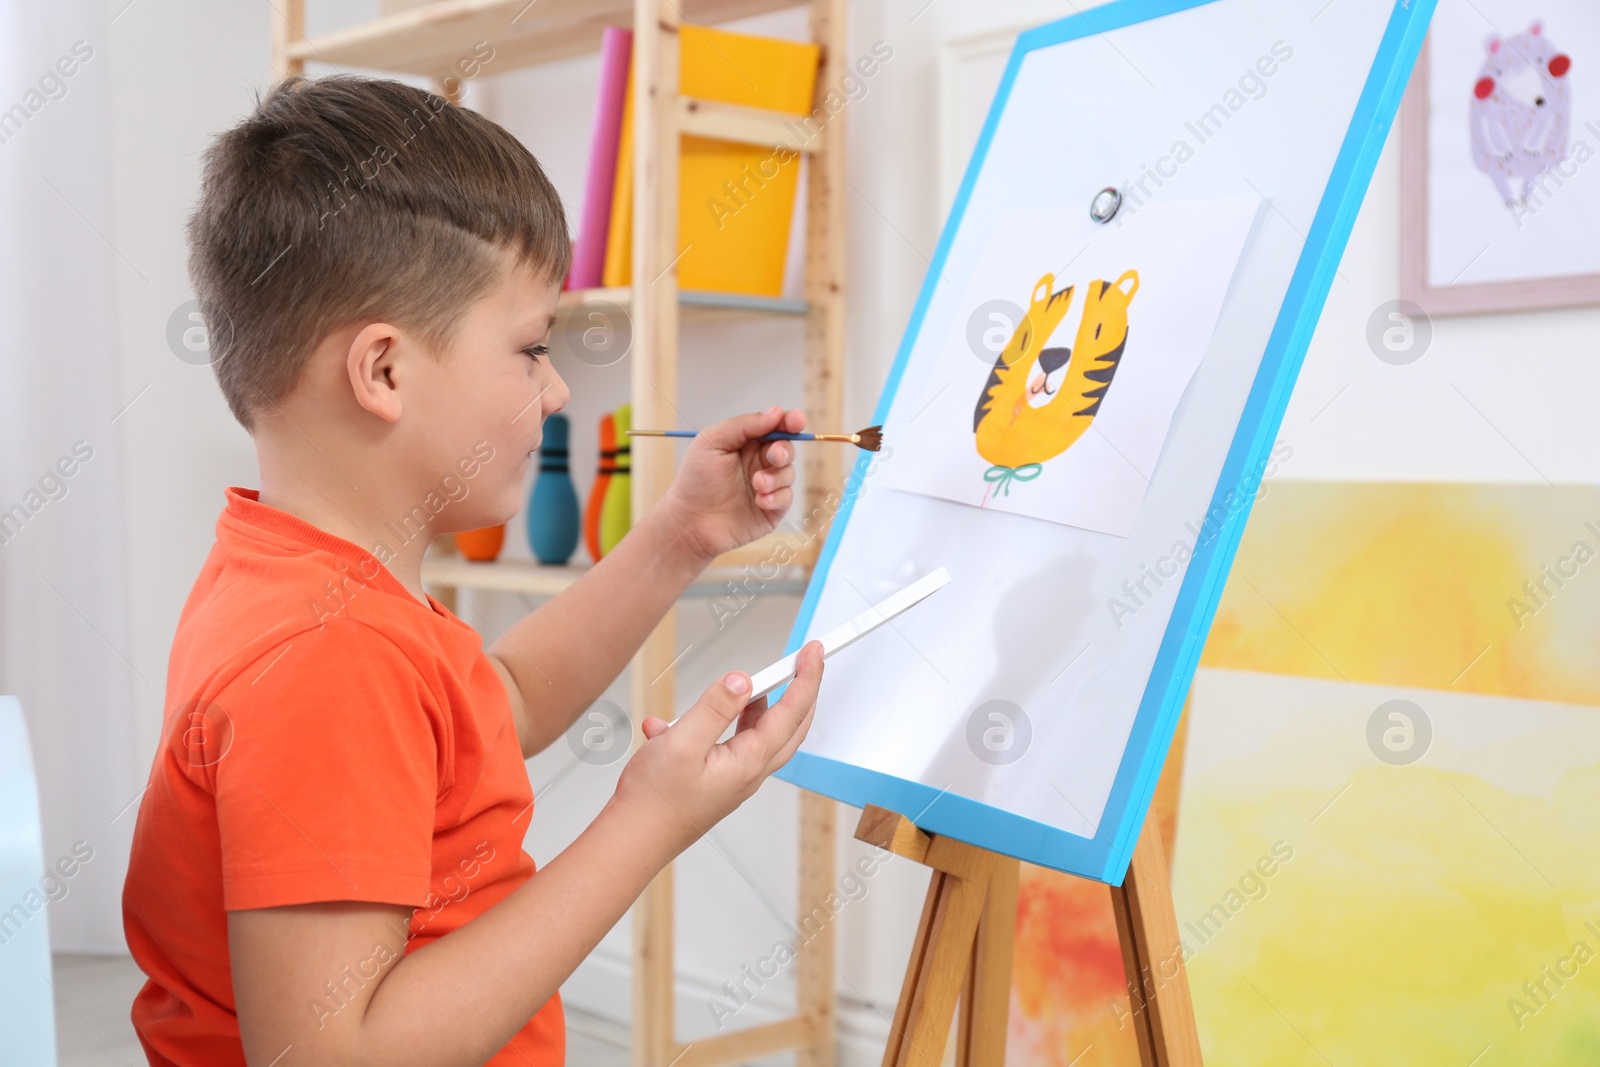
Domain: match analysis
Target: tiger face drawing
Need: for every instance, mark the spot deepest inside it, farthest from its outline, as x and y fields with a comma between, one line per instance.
x=1039, y=401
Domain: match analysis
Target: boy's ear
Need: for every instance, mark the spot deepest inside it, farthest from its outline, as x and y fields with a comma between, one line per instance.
x=372, y=366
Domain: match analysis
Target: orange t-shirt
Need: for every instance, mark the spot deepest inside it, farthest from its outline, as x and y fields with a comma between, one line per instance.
x=327, y=737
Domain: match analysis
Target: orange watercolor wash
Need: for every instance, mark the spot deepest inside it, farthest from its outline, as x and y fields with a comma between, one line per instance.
x=1069, y=992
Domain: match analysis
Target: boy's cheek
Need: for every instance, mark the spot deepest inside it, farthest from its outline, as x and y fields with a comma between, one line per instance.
x=511, y=497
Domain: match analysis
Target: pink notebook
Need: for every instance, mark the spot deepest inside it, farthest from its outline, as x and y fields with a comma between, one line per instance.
x=588, y=258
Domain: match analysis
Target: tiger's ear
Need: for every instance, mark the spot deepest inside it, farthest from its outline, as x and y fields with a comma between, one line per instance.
x=1128, y=275
x=1492, y=44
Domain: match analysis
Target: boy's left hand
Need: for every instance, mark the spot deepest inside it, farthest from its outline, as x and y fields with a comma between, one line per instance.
x=733, y=488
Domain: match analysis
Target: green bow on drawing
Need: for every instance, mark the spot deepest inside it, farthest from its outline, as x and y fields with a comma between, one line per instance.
x=1006, y=475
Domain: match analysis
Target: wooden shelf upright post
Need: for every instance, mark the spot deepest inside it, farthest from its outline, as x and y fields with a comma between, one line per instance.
x=654, y=398
x=824, y=382
x=288, y=28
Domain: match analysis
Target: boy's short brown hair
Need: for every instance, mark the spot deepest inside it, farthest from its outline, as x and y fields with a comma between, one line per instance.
x=343, y=197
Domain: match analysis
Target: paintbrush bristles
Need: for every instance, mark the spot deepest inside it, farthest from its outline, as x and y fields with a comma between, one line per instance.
x=871, y=438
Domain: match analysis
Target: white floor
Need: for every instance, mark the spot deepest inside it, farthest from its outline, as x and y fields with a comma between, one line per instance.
x=93, y=994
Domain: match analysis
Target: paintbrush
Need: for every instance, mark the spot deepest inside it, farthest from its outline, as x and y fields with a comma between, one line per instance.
x=870, y=439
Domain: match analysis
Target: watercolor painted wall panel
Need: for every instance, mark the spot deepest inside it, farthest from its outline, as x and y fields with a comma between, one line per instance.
x=1434, y=885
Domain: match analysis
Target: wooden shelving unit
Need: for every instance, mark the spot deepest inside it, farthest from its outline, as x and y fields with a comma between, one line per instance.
x=534, y=579
x=429, y=39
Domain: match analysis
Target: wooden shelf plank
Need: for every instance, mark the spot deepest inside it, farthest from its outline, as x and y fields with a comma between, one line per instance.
x=430, y=40
x=504, y=575
x=758, y=561
x=701, y=301
x=781, y=548
x=747, y=125
x=741, y=1046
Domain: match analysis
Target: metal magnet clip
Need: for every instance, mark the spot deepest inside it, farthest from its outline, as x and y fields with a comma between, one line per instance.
x=1105, y=204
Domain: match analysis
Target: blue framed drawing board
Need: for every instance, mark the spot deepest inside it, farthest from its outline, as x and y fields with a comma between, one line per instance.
x=1027, y=707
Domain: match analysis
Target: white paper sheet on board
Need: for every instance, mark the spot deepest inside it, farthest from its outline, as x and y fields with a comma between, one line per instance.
x=1073, y=423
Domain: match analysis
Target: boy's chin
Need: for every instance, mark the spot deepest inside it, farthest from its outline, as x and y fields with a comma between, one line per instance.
x=485, y=515
x=479, y=523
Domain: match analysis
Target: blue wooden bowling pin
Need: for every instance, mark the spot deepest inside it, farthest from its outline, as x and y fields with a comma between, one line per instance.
x=553, y=520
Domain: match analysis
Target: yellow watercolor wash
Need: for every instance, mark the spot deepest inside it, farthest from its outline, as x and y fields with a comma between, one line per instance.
x=1406, y=920
x=1402, y=926
x=1411, y=585
x=1418, y=898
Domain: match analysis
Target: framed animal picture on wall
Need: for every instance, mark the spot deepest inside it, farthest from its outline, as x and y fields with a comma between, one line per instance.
x=1500, y=181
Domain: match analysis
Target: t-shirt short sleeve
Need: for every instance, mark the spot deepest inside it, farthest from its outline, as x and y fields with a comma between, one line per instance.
x=328, y=787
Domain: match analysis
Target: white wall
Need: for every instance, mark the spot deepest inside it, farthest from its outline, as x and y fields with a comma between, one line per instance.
x=63, y=608
x=183, y=70
x=180, y=74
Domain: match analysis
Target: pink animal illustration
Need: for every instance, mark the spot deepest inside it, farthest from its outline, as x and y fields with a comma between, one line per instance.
x=1521, y=112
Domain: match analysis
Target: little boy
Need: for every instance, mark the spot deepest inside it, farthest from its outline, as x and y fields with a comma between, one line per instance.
x=328, y=862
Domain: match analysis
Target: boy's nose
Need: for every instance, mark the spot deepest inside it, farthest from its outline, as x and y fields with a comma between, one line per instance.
x=561, y=394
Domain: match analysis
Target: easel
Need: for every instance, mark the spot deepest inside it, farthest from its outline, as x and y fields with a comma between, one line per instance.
x=964, y=946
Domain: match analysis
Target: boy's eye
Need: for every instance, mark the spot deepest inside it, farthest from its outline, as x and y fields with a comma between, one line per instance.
x=536, y=351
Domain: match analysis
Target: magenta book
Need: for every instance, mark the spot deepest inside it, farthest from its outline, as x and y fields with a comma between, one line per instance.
x=589, y=255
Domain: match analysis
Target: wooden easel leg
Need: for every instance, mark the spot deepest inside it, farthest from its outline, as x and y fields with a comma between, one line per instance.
x=939, y=967
x=1152, y=956
x=945, y=957
x=986, y=996
x=892, y=1054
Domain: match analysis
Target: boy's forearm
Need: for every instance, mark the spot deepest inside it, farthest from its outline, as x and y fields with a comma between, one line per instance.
x=460, y=999
x=563, y=655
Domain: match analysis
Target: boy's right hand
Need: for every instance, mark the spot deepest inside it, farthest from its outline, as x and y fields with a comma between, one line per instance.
x=682, y=781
